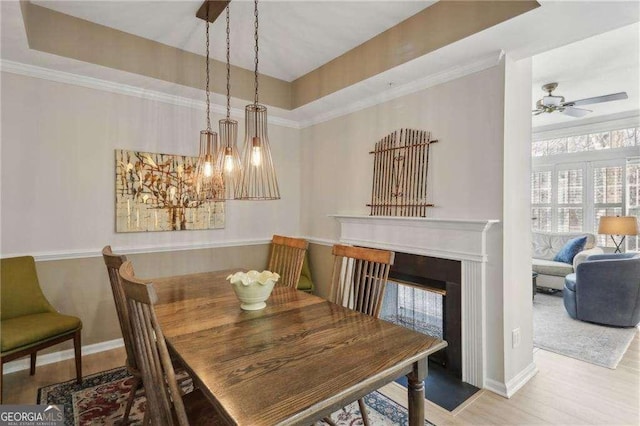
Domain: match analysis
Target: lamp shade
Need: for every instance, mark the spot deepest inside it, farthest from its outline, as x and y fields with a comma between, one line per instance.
x=618, y=225
x=209, y=185
x=258, y=180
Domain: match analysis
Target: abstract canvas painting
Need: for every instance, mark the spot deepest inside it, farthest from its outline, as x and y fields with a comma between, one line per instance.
x=156, y=192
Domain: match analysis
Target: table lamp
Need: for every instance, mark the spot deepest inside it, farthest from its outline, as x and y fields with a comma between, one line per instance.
x=618, y=225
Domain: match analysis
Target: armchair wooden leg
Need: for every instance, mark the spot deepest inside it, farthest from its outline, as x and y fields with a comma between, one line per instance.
x=77, y=345
x=32, y=368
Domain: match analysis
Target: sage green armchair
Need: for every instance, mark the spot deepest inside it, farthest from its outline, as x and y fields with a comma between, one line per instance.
x=28, y=322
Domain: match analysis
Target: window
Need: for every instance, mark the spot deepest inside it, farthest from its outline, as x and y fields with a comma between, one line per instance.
x=570, y=200
x=578, y=179
x=633, y=198
x=541, y=200
x=622, y=138
x=607, y=201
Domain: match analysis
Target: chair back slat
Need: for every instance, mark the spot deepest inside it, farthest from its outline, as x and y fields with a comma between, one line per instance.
x=287, y=257
x=359, y=277
x=113, y=263
x=164, y=397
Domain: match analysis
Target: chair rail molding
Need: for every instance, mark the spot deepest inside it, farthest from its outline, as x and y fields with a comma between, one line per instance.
x=454, y=239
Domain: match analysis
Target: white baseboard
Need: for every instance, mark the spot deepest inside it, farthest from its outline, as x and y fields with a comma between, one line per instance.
x=496, y=387
x=23, y=363
x=512, y=386
x=521, y=379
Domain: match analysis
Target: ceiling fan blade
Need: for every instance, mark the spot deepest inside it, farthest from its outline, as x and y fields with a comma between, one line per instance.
x=575, y=112
x=598, y=99
x=537, y=111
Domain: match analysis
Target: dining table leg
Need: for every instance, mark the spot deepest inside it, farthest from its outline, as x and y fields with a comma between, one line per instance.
x=415, y=392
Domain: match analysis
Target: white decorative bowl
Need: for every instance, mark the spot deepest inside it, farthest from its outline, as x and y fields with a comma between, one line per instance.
x=253, y=288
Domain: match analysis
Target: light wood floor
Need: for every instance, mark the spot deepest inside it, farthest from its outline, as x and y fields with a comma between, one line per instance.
x=564, y=392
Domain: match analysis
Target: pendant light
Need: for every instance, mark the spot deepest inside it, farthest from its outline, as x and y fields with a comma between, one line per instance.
x=258, y=180
x=209, y=185
x=229, y=156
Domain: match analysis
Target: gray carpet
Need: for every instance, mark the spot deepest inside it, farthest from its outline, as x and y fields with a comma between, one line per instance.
x=554, y=330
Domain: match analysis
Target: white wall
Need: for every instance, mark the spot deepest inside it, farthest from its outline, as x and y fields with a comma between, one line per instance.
x=58, y=171
x=518, y=311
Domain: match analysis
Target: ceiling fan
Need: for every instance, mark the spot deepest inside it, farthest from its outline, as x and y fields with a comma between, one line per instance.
x=551, y=103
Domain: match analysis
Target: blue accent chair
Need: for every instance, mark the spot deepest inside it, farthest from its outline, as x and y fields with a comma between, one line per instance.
x=605, y=289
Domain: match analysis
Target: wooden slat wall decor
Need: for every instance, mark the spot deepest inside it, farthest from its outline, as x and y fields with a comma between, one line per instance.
x=400, y=172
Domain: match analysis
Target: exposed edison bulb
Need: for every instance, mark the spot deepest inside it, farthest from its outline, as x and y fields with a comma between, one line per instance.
x=256, y=152
x=228, y=163
x=208, y=169
x=256, y=156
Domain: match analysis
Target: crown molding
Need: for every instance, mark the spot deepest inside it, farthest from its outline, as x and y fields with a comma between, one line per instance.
x=435, y=79
x=129, y=90
x=125, y=89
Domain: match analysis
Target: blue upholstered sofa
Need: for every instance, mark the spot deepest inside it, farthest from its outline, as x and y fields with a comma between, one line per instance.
x=605, y=289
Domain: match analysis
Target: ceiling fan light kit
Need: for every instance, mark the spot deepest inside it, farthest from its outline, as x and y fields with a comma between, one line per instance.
x=551, y=103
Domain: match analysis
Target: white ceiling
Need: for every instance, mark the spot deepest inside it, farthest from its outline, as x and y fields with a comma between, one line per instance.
x=553, y=25
x=600, y=65
x=295, y=36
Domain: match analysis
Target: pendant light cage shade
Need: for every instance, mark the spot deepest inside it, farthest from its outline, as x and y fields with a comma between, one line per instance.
x=258, y=180
x=229, y=158
x=209, y=183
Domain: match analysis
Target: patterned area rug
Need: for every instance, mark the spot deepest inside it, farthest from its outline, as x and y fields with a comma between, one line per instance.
x=101, y=400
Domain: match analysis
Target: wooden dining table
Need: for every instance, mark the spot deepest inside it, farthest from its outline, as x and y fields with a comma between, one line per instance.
x=295, y=361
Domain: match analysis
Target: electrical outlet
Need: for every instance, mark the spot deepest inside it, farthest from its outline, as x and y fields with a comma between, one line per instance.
x=515, y=337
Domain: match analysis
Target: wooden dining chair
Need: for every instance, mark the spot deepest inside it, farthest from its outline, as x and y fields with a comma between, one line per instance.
x=113, y=263
x=358, y=282
x=287, y=257
x=166, y=403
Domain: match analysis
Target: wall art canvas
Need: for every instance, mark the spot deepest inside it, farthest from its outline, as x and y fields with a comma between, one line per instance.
x=156, y=192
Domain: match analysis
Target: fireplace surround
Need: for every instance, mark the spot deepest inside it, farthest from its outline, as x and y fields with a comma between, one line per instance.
x=453, y=239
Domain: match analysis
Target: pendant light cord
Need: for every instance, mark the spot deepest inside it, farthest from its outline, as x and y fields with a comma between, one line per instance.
x=228, y=67
x=256, y=61
x=207, y=84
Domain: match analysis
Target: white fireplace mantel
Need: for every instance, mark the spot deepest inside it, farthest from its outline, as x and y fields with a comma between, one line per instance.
x=455, y=239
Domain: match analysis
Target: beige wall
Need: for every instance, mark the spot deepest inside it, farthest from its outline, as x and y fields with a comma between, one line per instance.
x=321, y=264
x=81, y=286
x=465, y=179
x=57, y=193
x=58, y=170
x=56, y=137
x=468, y=179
